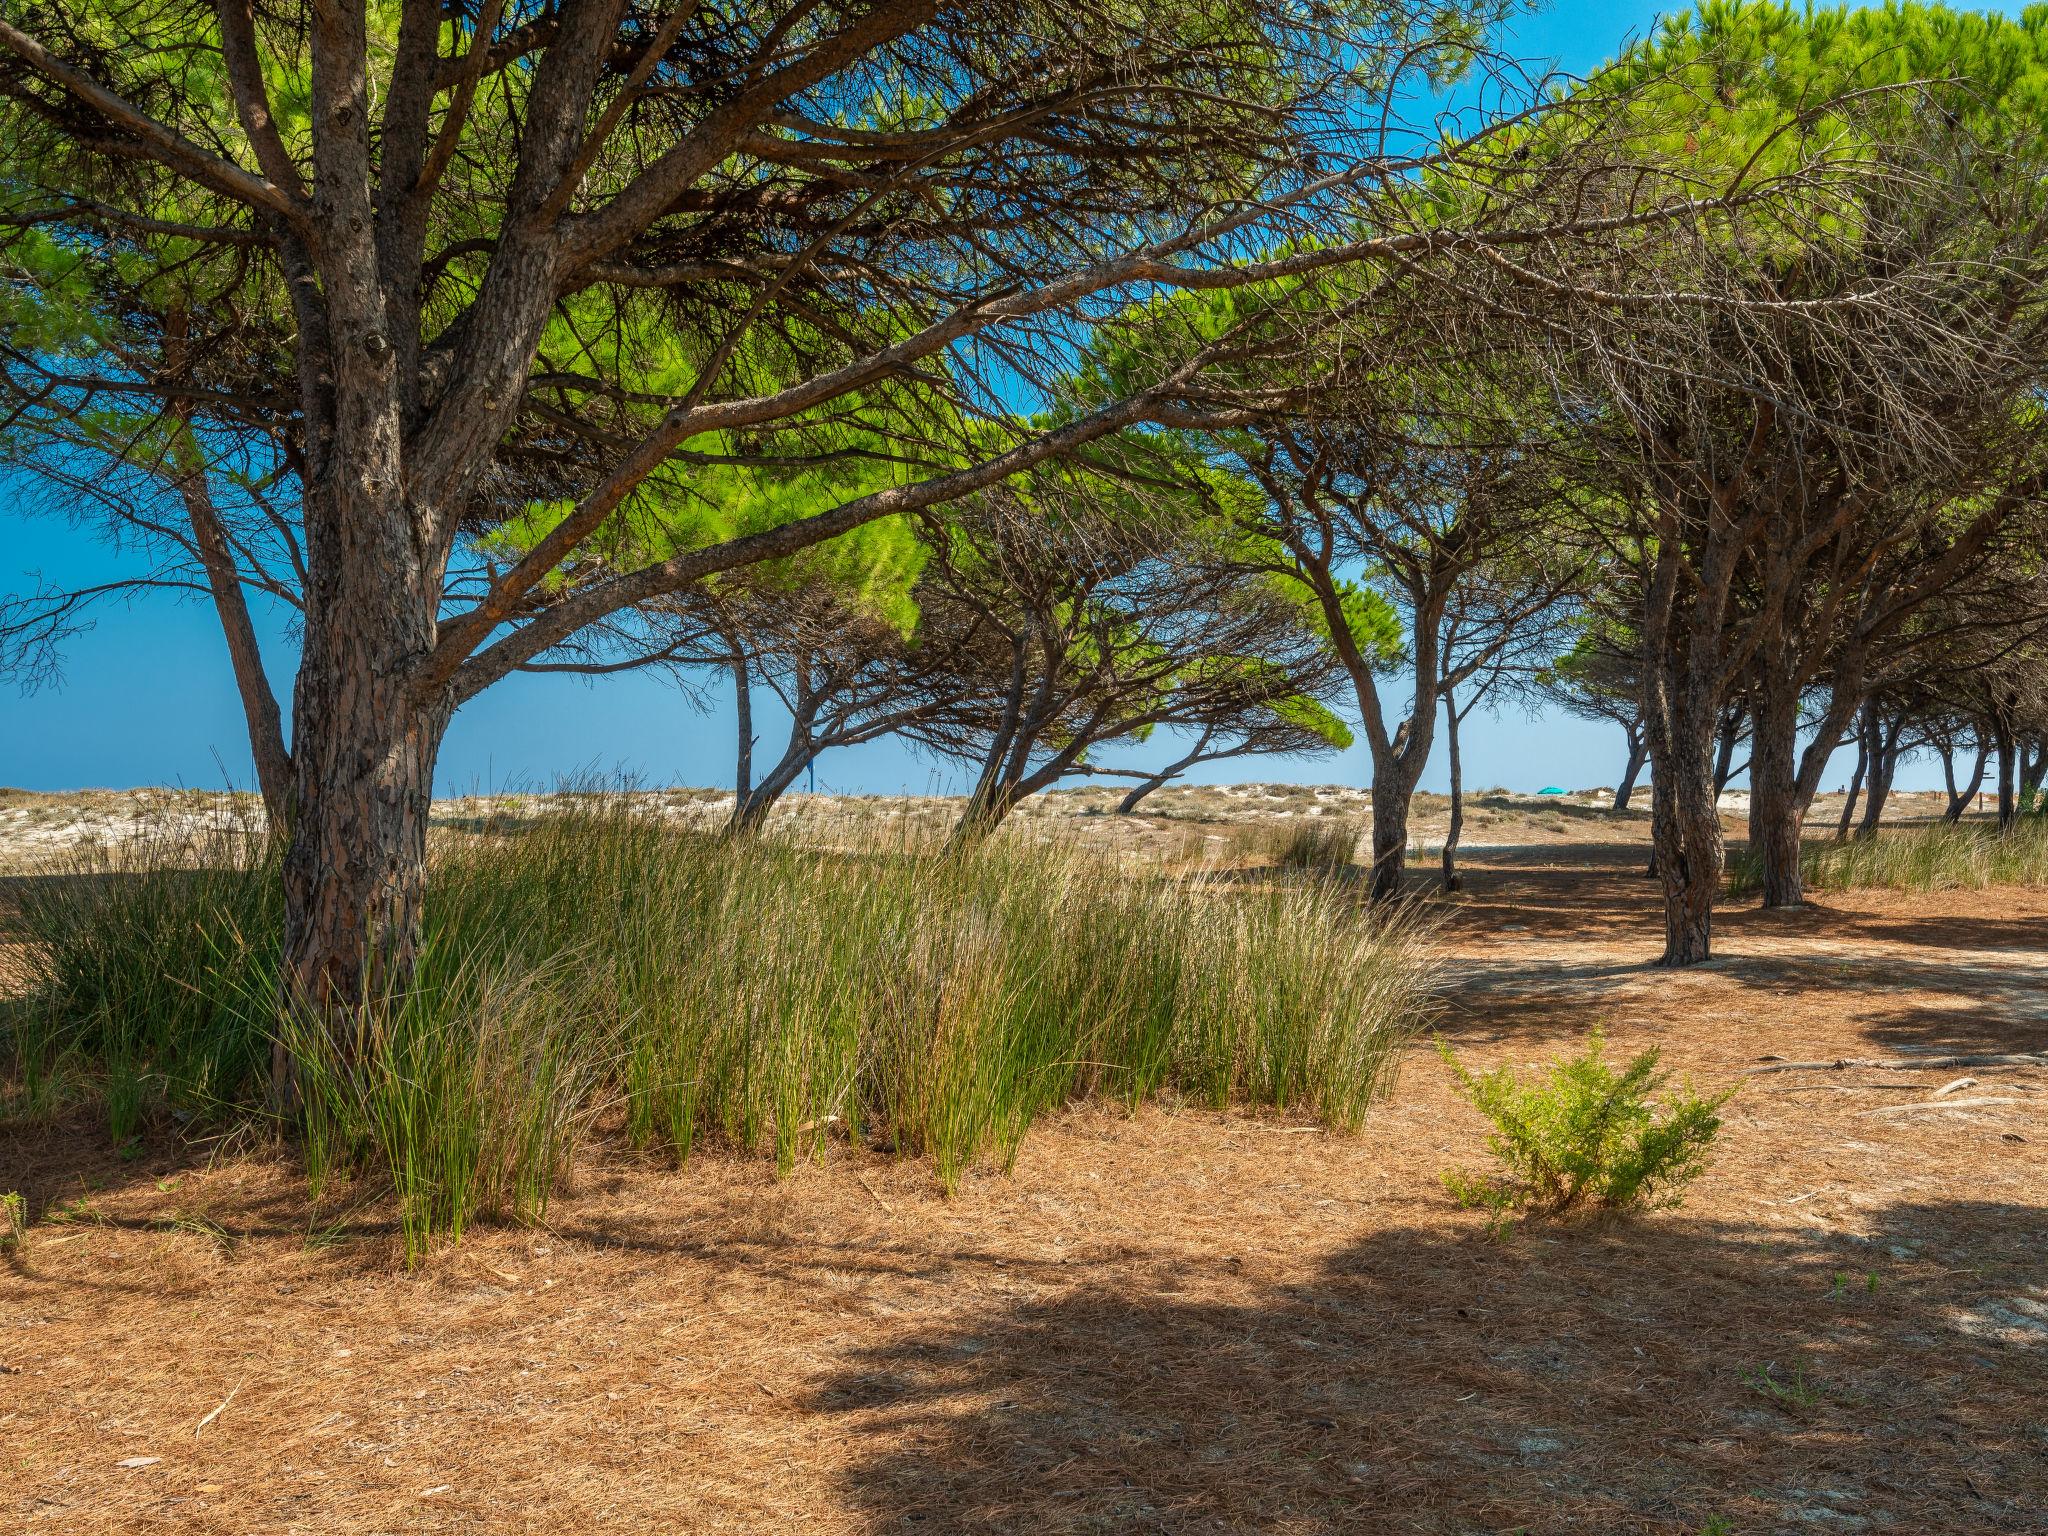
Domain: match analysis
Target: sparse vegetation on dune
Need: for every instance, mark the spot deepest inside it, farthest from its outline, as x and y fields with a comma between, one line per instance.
x=764, y=995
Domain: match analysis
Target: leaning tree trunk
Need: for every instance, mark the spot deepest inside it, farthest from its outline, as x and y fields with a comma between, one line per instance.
x=1855, y=779
x=1725, y=743
x=365, y=744
x=1452, y=880
x=1166, y=775
x=1632, y=770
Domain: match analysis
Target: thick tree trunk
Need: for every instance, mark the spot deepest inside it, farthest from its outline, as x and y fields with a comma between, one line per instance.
x=366, y=737
x=1775, y=809
x=1632, y=770
x=1686, y=831
x=1393, y=791
x=355, y=872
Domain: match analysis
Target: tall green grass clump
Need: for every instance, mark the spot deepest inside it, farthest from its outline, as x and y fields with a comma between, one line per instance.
x=755, y=995
x=1942, y=857
x=1317, y=846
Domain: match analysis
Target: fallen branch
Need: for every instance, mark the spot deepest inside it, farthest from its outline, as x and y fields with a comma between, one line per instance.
x=1903, y=1109
x=1909, y=1064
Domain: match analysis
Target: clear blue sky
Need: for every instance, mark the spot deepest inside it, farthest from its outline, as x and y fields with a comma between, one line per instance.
x=146, y=696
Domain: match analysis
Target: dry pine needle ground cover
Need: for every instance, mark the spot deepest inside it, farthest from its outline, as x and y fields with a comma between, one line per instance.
x=1181, y=1321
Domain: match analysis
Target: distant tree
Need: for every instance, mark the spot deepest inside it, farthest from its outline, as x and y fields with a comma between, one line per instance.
x=1079, y=617
x=1599, y=678
x=1804, y=468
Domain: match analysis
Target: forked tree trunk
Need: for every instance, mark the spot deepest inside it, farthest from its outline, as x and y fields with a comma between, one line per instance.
x=1632, y=770
x=1884, y=767
x=1960, y=795
x=750, y=811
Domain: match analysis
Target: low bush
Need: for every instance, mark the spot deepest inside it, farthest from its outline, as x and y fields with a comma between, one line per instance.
x=762, y=996
x=1585, y=1136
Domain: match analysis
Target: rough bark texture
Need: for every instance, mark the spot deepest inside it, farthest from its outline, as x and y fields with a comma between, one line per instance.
x=355, y=870
x=1776, y=813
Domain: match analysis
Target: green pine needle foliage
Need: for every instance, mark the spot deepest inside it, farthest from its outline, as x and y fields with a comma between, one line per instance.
x=1586, y=1136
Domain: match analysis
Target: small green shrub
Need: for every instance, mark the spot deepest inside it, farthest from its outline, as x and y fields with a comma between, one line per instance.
x=13, y=1220
x=1585, y=1136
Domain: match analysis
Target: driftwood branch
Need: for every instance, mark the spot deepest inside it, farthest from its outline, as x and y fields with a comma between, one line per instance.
x=1910, y=1064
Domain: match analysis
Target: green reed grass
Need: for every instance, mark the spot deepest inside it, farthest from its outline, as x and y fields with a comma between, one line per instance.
x=1941, y=857
x=761, y=996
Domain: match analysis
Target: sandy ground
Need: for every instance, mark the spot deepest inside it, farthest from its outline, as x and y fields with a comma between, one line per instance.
x=1178, y=1322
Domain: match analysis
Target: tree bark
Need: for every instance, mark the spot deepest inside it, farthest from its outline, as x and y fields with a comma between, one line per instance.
x=1959, y=798
x=743, y=709
x=1144, y=787
x=1452, y=880
x=1856, y=778
x=1686, y=833
x=2008, y=769
x=1393, y=792
x=355, y=872
x=1727, y=738
x=1638, y=754
x=1884, y=765
x=2033, y=769
x=1776, y=813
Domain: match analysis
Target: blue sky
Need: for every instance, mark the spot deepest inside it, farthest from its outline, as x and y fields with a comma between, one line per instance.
x=146, y=697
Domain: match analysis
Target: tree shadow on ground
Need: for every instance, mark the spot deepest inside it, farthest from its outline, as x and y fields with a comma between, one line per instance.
x=1649, y=1376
